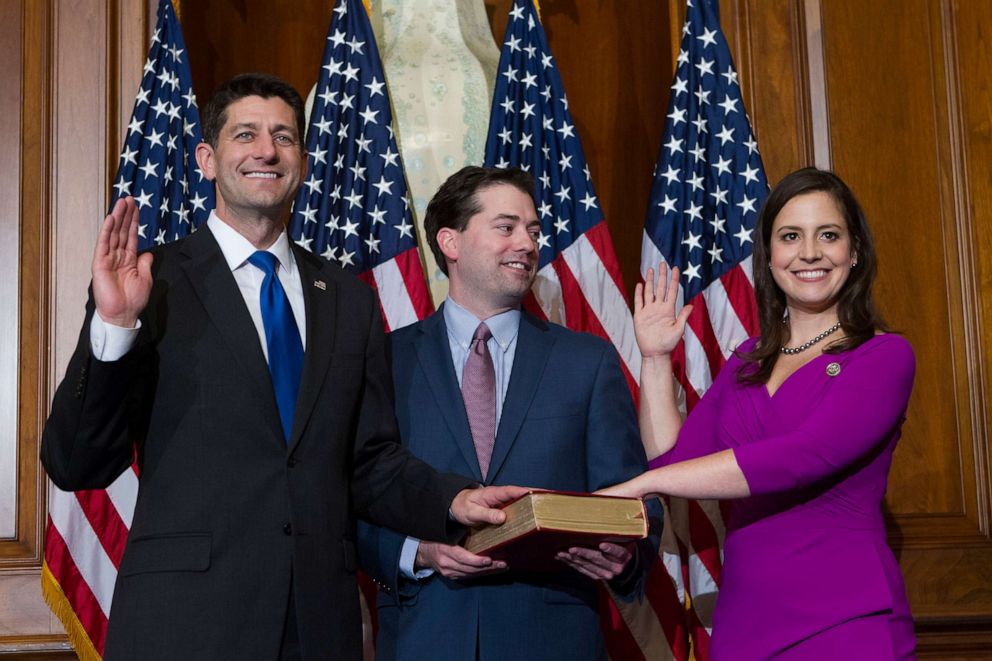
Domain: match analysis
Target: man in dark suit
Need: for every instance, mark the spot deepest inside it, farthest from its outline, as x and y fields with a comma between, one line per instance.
x=551, y=409
x=258, y=444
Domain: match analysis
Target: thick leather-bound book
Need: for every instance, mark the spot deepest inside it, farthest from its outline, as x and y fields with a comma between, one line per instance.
x=541, y=523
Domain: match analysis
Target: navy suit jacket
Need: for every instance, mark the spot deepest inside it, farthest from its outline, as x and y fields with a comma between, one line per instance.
x=568, y=422
x=228, y=518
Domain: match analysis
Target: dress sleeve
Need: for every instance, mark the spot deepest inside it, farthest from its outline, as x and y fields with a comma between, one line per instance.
x=698, y=436
x=864, y=406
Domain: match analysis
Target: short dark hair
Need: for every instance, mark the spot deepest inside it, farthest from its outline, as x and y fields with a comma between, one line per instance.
x=214, y=114
x=855, y=308
x=456, y=200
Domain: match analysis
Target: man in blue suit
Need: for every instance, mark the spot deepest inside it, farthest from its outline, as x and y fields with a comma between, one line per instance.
x=485, y=389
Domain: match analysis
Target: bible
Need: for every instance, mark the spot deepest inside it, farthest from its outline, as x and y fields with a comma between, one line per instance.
x=541, y=523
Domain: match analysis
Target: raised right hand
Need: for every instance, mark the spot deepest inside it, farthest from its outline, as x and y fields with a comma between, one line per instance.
x=122, y=281
x=656, y=326
x=455, y=561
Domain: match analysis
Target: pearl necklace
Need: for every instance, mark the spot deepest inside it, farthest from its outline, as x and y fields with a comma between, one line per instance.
x=806, y=345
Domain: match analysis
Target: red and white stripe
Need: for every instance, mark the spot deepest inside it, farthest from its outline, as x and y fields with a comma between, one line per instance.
x=402, y=289
x=87, y=531
x=582, y=289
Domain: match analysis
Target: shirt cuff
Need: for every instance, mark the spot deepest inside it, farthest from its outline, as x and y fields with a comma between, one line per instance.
x=108, y=342
x=408, y=555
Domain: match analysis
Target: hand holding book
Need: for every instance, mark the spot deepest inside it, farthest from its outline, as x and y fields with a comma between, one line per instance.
x=455, y=562
x=600, y=564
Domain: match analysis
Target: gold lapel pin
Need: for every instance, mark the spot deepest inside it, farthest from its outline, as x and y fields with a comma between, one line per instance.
x=833, y=369
x=320, y=284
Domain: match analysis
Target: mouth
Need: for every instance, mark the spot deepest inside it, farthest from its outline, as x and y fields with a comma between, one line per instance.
x=522, y=267
x=261, y=175
x=812, y=275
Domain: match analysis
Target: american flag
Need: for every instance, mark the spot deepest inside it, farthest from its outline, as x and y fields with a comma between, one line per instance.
x=709, y=184
x=87, y=530
x=578, y=283
x=353, y=207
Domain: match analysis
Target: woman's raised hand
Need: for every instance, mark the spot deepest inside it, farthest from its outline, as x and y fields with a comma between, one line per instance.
x=657, y=327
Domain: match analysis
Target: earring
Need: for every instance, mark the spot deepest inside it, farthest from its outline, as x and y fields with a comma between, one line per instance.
x=853, y=264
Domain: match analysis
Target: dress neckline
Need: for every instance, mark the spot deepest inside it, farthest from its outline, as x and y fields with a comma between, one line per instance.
x=835, y=356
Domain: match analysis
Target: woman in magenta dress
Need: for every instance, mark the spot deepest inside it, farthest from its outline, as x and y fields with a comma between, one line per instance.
x=798, y=431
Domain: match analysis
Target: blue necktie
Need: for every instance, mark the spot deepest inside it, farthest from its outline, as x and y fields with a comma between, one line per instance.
x=282, y=337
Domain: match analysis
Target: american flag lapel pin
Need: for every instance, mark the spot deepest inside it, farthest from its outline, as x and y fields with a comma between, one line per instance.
x=320, y=284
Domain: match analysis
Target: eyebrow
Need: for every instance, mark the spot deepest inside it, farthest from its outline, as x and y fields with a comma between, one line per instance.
x=254, y=126
x=794, y=228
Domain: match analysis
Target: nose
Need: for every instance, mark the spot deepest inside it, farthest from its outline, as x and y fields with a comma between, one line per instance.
x=523, y=241
x=265, y=148
x=809, y=250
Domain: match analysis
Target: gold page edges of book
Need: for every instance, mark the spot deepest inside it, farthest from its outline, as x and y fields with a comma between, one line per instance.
x=562, y=520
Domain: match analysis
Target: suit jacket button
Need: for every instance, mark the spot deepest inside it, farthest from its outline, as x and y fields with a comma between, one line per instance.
x=287, y=529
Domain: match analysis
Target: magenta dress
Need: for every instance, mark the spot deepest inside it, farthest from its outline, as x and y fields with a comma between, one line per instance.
x=807, y=571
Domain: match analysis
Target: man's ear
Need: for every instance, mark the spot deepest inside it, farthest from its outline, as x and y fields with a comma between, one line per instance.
x=205, y=159
x=447, y=241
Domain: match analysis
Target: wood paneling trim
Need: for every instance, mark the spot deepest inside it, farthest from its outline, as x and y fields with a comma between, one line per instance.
x=11, y=39
x=957, y=191
x=36, y=648
x=24, y=550
x=960, y=638
x=935, y=531
x=815, y=84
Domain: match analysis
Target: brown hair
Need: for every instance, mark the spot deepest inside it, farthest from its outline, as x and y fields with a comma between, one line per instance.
x=856, y=310
x=214, y=114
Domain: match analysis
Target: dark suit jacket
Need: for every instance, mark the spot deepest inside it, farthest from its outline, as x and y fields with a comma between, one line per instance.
x=228, y=517
x=568, y=423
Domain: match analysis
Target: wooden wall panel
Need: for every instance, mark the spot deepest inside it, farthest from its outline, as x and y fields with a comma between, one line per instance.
x=68, y=63
x=229, y=37
x=22, y=183
x=894, y=151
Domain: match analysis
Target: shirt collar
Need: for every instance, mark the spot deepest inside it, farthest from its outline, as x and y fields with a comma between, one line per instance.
x=237, y=249
x=462, y=324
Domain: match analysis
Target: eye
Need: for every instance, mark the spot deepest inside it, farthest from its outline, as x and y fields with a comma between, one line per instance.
x=788, y=236
x=283, y=139
x=830, y=235
x=535, y=233
x=244, y=136
x=505, y=229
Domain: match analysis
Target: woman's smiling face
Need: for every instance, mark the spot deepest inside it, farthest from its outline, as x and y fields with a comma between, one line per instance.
x=811, y=255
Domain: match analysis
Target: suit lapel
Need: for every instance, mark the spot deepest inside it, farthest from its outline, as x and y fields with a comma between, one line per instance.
x=320, y=297
x=529, y=362
x=213, y=283
x=434, y=355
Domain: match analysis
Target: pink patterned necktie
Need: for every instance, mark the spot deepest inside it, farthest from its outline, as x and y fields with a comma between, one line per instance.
x=479, y=394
